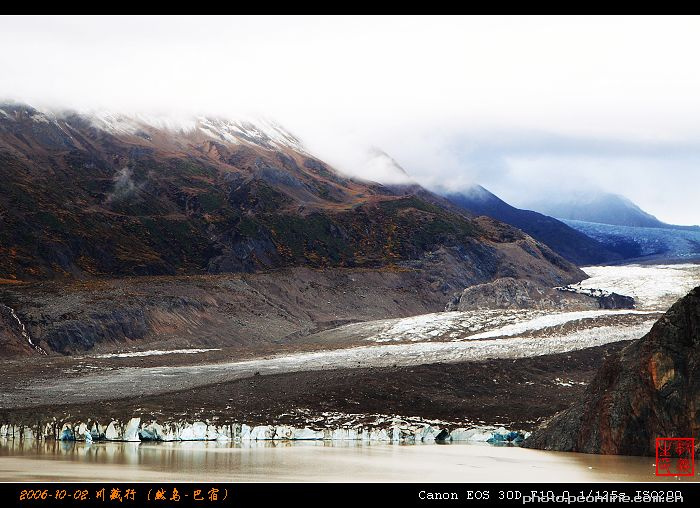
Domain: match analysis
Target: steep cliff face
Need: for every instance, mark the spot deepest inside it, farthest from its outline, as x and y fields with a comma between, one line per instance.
x=650, y=389
x=12, y=343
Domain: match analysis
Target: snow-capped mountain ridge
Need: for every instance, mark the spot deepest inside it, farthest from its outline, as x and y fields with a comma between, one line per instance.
x=121, y=194
x=259, y=131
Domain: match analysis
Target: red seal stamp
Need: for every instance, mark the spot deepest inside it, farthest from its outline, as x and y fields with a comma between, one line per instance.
x=675, y=456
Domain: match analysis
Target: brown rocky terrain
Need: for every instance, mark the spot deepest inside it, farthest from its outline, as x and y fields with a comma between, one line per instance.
x=510, y=293
x=12, y=343
x=248, y=311
x=517, y=394
x=87, y=196
x=648, y=390
x=107, y=207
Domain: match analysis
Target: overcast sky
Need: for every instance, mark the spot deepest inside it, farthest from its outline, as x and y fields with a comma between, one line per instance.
x=524, y=106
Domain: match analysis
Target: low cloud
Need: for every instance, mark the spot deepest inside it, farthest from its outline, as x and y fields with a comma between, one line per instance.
x=124, y=186
x=612, y=101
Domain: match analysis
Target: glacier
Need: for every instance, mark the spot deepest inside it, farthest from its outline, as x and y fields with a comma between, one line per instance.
x=389, y=430
x=643, y=241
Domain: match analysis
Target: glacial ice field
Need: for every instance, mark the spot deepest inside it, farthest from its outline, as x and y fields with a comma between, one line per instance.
x=424, y=339
x=483, y=324
x=670, y=243
x=652, y=286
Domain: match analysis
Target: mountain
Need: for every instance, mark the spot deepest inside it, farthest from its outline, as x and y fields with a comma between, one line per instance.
x=621, y=227
x=109, y=195
x=566, y=241
x=119, y=230
x=646, y=391
x=599, y=207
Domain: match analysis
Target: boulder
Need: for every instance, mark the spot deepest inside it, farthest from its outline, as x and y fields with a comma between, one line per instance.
x=511, y=293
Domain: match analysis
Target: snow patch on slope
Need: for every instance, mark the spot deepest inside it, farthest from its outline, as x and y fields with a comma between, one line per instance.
x=154, y=352
x=258, y=131
x=261, y=132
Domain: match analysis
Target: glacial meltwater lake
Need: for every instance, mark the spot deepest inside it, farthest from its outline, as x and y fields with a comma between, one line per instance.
x=309, y=461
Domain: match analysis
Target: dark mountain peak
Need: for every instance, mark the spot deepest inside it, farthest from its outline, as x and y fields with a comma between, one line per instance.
x=480, y=193
x=571, y=244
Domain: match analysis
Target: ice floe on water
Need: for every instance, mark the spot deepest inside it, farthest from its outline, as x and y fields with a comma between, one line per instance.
x=154, y=352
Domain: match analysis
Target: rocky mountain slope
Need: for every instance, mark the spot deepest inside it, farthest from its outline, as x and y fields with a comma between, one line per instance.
x=258, y=312
x=110, y=195
x=648, y=390
x=13, y=342
x=566, y=241
x=106, y=196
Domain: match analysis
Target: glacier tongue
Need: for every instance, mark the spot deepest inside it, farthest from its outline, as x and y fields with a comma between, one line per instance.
x=389, y=430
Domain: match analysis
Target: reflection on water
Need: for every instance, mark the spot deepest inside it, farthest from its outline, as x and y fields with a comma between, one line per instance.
x=307, y=461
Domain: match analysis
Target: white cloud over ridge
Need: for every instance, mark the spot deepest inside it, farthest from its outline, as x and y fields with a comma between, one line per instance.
x=517, y=104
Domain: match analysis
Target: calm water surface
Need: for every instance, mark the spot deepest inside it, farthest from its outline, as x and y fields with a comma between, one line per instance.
x=308, y=461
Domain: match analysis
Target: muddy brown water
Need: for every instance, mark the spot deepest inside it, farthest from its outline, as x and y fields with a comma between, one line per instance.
x=310, y=461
